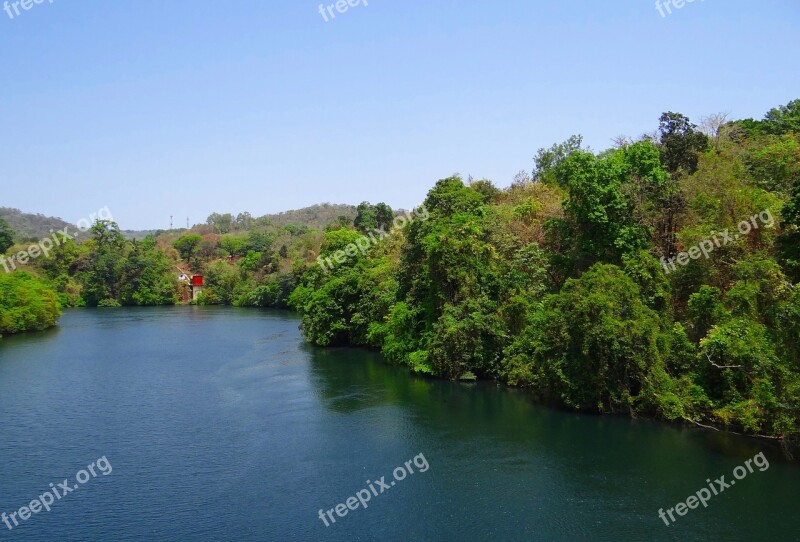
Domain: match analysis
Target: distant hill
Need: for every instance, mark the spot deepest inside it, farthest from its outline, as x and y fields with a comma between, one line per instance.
x=28, y=226
x=138, y=234
x=316, y=216
x=31, y=227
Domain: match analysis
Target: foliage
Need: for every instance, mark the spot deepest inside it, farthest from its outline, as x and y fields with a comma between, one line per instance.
x=26, y=304
x=681, y=143
x=559, y=283
x=187, y=245
x=6, y=236
x=570, y=300
x=594, y=345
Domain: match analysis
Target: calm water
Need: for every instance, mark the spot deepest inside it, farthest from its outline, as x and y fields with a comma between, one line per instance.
x=222, y=425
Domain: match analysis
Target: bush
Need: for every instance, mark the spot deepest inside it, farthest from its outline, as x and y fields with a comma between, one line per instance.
x=26, y=303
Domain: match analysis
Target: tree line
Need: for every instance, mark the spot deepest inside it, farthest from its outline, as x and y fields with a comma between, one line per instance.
x=556, y=283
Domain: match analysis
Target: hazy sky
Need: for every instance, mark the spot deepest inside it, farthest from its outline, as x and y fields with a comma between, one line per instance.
x=186, y=107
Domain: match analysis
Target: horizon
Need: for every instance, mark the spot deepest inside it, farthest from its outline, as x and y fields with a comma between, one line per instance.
x=193, y=224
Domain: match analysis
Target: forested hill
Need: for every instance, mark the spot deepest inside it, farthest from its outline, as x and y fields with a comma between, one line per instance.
x=315, y=217
x=31, y=227
x=28, y=226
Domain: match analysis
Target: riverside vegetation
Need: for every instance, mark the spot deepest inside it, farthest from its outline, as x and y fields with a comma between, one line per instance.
x=553, y=284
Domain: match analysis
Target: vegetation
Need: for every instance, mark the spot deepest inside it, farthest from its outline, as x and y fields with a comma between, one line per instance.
x=559, y=283
x=26, y=303
x=29, y=227
x=556, y=283
x=6, y=236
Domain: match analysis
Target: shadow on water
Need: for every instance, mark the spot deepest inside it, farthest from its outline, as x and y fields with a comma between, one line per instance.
x=353, y=379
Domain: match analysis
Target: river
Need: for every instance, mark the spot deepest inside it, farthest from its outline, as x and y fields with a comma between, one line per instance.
x=221, y=424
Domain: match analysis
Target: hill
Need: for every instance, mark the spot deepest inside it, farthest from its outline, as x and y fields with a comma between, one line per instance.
x=316, y=216
x=28, y=226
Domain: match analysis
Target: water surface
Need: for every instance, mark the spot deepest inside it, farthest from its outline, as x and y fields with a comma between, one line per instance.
x=223, y=425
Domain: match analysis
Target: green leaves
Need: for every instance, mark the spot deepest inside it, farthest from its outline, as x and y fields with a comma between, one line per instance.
x=187, y=246
x=482, y=288
x=6, y=236
x=681, y=143
x=593, y=345
x=26, y=304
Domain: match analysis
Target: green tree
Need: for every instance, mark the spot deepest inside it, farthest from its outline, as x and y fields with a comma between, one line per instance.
x=384, y=216
x=233, y=246
x=6, y=236
x=783, y=119
x=680, y=143
x=26, y=304
x=611, y=204
x=187, y=246
x=593, y=346
x=788, y=243
x=148, y=277
x=222, y=223
x=365, y=218
x=101, y=272
x=547, y=161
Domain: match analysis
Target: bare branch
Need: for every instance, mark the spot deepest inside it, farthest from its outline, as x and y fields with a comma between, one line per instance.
x=723, y=366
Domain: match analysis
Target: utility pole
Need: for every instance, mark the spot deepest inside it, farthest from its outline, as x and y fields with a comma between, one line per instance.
x=187, y=222
x=170, y=222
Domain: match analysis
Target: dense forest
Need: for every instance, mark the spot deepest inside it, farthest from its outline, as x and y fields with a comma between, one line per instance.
x=654, y=278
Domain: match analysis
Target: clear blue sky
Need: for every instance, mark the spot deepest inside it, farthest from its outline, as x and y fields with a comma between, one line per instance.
x=186, y=107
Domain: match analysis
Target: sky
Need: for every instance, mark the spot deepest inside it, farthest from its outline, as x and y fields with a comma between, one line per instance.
x=188, y=107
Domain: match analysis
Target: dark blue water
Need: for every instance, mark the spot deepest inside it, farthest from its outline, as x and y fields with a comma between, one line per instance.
x=222, y=425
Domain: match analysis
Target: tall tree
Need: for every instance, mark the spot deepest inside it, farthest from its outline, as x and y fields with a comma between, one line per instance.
x=383, y=216
x=187, y=246
x=6, y=236
x=365, y=218
x=681, y=142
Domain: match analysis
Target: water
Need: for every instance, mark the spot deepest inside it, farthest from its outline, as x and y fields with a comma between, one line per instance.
x=222, y=425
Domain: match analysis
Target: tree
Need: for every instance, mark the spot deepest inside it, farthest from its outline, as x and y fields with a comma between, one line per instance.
x=593, y=346
x=783, y=119
x=101, y=274
x=187, y=246
x=341, y=222
x=147, y=277
x=547, y=161
x=222, y=223
x=611, y=205
x=776, y=166
x=26, y=303
x=789, y=240
x=713, y=126
x=521, y=179
x=234, y=246
x=365, y=218
x=208, y=249
x=106, y=234
x=244, y=221
x=384, y=216
x=486, y=188
x=259, y=241
x=680, y=143
x=6, y=236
